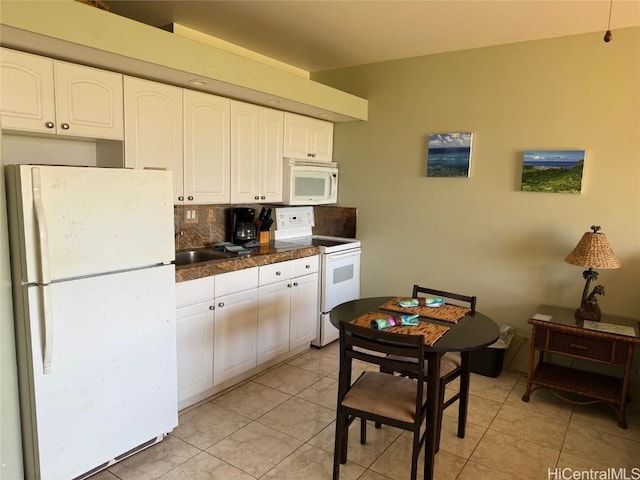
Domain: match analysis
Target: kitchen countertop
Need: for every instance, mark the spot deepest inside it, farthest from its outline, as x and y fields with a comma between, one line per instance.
x=264, y=255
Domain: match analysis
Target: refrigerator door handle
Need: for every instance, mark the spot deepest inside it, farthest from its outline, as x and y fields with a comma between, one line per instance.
x=47, y=355
x=45, y=275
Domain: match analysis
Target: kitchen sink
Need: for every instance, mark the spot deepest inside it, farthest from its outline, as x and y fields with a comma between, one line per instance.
x=188, y=257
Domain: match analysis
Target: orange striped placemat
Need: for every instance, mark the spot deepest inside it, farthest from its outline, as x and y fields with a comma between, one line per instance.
x=446, y=313
x=432, y=333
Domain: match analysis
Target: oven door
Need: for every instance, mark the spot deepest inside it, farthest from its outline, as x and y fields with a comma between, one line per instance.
x=340, y=278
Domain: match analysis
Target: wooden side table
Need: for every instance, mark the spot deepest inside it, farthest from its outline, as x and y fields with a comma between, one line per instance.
x=563, y=334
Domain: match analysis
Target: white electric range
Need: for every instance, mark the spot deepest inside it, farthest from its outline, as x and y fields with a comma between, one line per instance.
x=339, y=263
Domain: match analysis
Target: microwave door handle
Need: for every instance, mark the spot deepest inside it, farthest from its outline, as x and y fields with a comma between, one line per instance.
x=45, y=275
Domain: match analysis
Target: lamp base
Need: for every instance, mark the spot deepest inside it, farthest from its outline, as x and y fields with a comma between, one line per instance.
x=588, y=313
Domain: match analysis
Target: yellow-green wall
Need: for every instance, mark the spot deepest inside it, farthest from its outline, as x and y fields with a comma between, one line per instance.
x=481, y=235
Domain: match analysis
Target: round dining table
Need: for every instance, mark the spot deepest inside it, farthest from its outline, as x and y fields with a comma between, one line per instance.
x=472, y=332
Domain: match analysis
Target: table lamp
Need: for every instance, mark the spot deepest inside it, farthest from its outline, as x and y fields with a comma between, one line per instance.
x=593, y=251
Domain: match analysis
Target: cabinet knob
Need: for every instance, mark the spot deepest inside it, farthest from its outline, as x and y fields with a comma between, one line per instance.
x=221, y=304
x=212, y=307
x=307, y=266
x=256, y=197
x=49, y=125
x=295, y=284
x=263, y=197
x=65, y=126
x=288, y=285
x=181, y=198
x=278, y=273
x=190, y=197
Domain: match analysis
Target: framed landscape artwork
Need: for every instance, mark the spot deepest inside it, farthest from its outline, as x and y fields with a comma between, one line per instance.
x=556, y=171
x=449, y=154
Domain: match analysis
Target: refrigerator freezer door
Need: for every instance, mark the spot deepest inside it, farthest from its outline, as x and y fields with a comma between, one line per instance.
x=95, y=220
x=112, y=384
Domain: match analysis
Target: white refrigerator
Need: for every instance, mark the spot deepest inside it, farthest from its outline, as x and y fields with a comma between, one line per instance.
x=94, y=307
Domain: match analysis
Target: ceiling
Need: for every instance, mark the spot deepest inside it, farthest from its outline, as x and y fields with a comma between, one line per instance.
x=315, y=35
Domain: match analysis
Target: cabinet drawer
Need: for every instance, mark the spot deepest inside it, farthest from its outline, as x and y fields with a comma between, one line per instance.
x=233, y=282
x=304, y=266
x=589, y=348
x=194, y=291
x=275, y=272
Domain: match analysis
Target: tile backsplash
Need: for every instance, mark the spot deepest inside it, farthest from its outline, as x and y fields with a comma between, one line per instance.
x=198, y=226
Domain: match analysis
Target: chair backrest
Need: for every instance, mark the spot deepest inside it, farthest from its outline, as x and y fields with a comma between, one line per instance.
x=465, y=300
x=391, y=352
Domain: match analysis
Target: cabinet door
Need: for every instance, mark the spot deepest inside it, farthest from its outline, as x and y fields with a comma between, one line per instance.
x=295, y=136
x=206, y=148
x=307, y=138
x=305, y=312
x=194, y=341
x=245, y=139
x=235, y=335
x=153, y=127
x=271, y=165
x=273, y=320
x=320, y=138
x=26, y=92
x=88, y=101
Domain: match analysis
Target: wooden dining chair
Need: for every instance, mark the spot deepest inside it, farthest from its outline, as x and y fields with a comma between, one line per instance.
x=381, y=397
x=452, y=365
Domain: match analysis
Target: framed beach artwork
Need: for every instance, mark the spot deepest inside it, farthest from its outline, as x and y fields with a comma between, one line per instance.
x=449, y=154
x=555, y=171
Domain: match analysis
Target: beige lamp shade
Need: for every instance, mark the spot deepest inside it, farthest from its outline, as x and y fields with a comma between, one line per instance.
x=593, y=250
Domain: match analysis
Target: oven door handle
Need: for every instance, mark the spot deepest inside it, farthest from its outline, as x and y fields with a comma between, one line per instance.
x=344, y=254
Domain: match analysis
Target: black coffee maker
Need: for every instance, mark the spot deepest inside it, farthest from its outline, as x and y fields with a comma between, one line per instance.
x=243, y=228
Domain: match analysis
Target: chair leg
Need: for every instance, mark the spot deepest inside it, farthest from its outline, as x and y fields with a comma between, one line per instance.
x=345, y=440
x=465, y=375
x=363, y=431
x=337, y=448
x=415, y=452
x=440, y=413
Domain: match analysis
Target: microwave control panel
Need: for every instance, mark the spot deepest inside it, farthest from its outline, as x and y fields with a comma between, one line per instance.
x=294, y=217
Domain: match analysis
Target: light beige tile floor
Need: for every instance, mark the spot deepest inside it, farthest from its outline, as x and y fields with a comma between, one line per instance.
x=280, y=426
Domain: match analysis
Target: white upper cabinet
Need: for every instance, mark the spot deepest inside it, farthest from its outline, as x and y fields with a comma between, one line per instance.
x=42, y=95
x=256, y=154
x=88, y=101
x=207, y=120
x=153, y=127
x=270, y=165
x=307, y=138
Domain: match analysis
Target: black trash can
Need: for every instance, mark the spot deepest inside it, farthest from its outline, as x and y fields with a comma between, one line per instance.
x=488, y=361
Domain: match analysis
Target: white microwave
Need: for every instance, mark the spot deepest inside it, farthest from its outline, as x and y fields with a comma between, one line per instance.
x=309, y=183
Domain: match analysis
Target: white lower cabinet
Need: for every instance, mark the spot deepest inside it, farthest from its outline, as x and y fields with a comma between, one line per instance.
x=194, y=337
x=273, y=320
x=304, y=310
x=236, y=324
x=289, y=313
x=231, y=325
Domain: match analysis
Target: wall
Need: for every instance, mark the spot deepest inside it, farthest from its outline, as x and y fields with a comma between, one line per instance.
x=481, y=235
